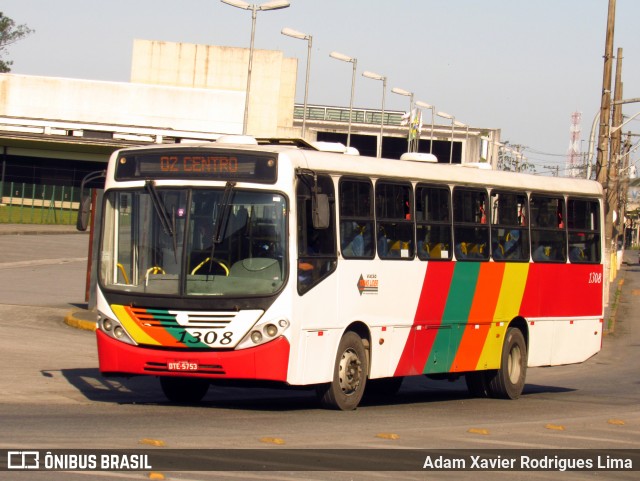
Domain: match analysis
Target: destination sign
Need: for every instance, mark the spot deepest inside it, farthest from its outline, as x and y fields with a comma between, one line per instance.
x=201, y=164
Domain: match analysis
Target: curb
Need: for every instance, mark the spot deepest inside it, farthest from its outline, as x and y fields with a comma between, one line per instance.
x=72, y=320
x=611, y=322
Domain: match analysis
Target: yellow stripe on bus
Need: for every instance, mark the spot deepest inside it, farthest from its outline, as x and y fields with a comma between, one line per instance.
x=508, y=307
x=132, y=327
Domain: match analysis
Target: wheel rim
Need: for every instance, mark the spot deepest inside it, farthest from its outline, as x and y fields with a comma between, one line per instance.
x=515, y=363
x=350, y=372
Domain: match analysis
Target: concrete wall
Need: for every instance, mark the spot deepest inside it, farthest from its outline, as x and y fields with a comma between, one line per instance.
x=273, y=78
x=162, y=106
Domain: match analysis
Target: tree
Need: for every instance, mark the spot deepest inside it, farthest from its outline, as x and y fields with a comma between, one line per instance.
x=511, y=158
x=10, y=33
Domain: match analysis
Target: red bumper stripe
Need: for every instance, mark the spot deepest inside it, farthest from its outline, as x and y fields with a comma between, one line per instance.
x=266, y=362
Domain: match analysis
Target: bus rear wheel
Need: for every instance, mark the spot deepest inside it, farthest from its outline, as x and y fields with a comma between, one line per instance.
x=508, y=381
x=345, y=391
x=184, y=389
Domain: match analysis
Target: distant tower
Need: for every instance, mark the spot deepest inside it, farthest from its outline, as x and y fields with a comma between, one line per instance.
x=573, y=154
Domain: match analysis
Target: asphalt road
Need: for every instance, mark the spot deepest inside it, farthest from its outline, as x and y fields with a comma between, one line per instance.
x=53, y=397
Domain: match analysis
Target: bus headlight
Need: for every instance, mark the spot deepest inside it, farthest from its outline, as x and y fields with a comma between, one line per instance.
x=270, y=330
x=264, y=332
x=114, y=329
x=256, y=337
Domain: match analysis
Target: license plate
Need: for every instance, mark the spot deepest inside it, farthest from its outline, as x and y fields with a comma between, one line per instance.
x=182, y=366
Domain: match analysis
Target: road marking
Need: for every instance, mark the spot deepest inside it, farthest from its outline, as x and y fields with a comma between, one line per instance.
x=484, y=432
x=555, y=427
x=388, y=436
x=272, y=440
x=152, y=442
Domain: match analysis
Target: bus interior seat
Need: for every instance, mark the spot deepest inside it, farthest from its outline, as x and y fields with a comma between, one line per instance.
x=355, y=248
x=435, y=251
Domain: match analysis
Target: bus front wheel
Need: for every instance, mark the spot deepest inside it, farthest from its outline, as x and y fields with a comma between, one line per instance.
x=184, y=389
x=345, y=391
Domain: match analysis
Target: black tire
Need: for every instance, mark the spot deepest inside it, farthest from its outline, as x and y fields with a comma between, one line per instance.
x=508, y=381
x=184, y=389
x=345, y=391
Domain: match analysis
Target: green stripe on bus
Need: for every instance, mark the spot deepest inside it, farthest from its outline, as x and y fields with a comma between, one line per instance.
x=172, y=328
x=454, y=318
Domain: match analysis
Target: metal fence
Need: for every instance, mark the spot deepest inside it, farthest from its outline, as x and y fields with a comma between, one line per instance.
x=24, y=203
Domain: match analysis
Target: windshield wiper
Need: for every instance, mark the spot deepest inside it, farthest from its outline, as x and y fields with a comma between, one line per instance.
x=222, y=218
x=168, y=223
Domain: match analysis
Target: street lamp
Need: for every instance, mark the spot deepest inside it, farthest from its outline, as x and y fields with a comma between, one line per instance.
x=376, y=76
x=302, y=36
x=273, y=5
x=432, y=108
x=354, y=61
x=445, y=115
x=406, y=93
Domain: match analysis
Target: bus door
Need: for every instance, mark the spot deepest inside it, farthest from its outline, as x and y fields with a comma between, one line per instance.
x=316, y=304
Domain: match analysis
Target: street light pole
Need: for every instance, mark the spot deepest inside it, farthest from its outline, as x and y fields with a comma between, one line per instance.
x=354, y=61
x=406, y=93
x=445, y=115
x=432, y=108
x=273, y=5
x=299, y=35
x=376, y=76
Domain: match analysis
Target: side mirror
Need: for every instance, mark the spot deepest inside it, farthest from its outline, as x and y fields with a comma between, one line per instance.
x=320, y=211
x=82, y=221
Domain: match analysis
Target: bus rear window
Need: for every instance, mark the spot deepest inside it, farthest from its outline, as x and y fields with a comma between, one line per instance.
x=583, y=222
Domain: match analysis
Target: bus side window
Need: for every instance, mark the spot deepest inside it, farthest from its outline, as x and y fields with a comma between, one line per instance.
x=317, y=255
x=433, y=222
x=394, y=220
x=509, y=230
x=470, y=224
x=548, y=234
x=356, y=218
x=583, y=222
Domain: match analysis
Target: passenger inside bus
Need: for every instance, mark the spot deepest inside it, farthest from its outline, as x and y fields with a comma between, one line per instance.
x=542, y=253
x=354, y=243
x=383, y=243
x=509, y=247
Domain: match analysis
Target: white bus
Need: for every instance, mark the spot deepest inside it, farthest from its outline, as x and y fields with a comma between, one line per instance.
x=272, y=261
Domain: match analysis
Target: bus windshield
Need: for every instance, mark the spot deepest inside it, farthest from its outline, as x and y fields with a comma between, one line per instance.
x=194, y=242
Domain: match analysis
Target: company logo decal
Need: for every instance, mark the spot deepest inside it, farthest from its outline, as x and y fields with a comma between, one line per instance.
x=368, y=284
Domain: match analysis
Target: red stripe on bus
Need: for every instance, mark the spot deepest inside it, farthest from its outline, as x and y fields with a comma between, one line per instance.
x=431, y=305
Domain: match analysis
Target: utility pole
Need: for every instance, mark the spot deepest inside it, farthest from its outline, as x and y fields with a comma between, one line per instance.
x=555, y=169
x=624, y=185
x=603, y=141
x=613, y=193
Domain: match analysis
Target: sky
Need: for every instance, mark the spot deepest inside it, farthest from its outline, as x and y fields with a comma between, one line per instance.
x=522, y=66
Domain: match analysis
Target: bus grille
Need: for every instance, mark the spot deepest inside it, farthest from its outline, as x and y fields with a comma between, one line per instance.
x=168, y=319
